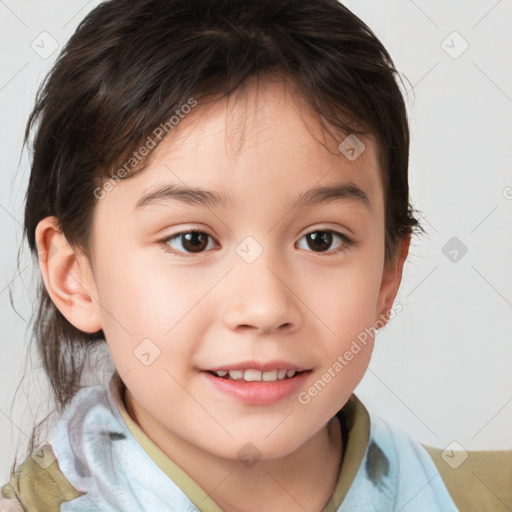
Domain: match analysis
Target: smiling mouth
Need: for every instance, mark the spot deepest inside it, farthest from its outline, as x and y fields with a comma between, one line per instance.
x=251, y=375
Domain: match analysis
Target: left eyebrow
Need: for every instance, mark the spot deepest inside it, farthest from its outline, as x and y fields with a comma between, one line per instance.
x=202, y=197
x=342, y=192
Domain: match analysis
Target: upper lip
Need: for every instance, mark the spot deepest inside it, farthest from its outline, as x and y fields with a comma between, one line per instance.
x=257, y=365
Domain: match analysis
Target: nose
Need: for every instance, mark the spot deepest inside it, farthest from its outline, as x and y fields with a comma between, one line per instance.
x=259, y=296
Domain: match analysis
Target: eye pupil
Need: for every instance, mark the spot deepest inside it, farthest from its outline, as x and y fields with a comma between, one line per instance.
x=192, y=241
x=322, y=239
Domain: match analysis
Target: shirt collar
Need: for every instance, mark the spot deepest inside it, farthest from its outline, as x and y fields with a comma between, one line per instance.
x=353, y=417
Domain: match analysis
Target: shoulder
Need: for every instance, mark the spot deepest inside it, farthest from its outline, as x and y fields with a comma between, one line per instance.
x=399, y=466
x=394, y=472
x=38, y=485
x=476, y=480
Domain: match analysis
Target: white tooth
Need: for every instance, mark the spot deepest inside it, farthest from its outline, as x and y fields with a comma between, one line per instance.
x=268, y=376
x=281, y=375
x=236, y=374
x=252, y=375
x=290, y=373
x=221, y=373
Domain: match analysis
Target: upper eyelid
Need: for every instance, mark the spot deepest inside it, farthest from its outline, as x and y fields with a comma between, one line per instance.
x=198, y=230
x=172, y=236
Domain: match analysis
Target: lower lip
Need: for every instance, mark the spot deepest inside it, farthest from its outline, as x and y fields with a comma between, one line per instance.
x=259, y=392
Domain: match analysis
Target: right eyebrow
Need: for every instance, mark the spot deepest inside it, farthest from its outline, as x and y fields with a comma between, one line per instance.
x=187, y=195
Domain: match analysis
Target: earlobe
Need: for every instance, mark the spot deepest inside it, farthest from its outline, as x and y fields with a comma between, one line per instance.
x=68, y=277
x=391, y=279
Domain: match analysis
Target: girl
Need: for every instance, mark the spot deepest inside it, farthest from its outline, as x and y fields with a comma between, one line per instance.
x=219, y=195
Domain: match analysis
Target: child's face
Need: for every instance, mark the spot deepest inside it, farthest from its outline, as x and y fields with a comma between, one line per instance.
x=258, y=289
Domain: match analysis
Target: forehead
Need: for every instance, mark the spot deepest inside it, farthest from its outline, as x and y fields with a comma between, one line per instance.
x=265, y=142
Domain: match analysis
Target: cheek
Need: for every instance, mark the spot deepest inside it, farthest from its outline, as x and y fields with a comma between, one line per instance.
x=150, y=309
x=347, y=345
x=346, y=300
x=145, y=297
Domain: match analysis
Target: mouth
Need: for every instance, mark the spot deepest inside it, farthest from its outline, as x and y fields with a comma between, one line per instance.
x=254, y=375
x=253, y=386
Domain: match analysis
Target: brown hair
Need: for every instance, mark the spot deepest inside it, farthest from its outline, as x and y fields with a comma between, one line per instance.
x=131, y=64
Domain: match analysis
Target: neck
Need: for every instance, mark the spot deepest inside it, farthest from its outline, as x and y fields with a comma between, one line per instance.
x=305, y=479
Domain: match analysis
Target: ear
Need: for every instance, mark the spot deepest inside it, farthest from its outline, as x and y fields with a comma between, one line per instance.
x=391, y=279
x=68, y=277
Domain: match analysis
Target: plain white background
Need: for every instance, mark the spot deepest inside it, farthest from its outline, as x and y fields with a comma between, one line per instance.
x=441, y=368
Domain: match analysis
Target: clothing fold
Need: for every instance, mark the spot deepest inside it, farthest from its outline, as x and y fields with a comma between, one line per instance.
x=108, y=463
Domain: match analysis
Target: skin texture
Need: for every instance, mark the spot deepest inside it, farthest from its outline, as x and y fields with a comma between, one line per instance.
x=211, y=308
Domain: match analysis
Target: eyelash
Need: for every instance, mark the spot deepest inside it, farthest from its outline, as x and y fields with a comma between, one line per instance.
x=346, y=242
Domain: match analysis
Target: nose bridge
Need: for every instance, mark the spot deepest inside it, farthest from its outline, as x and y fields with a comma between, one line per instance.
x=259, y=293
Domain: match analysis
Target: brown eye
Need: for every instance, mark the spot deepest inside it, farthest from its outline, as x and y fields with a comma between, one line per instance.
x=319, y=240
x=322, y=240
x=188, y=242
x=194, y=241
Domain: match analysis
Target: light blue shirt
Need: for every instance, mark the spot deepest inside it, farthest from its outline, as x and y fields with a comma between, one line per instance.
x=98, y=454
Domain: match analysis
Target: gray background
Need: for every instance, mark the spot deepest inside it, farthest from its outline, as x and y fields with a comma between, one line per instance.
x=441, y=368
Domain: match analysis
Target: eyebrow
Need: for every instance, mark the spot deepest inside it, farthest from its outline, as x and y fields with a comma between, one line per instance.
x=343, y=191
x=201, y=197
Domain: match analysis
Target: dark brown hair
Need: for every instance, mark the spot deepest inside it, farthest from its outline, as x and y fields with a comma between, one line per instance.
x=129, y=66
